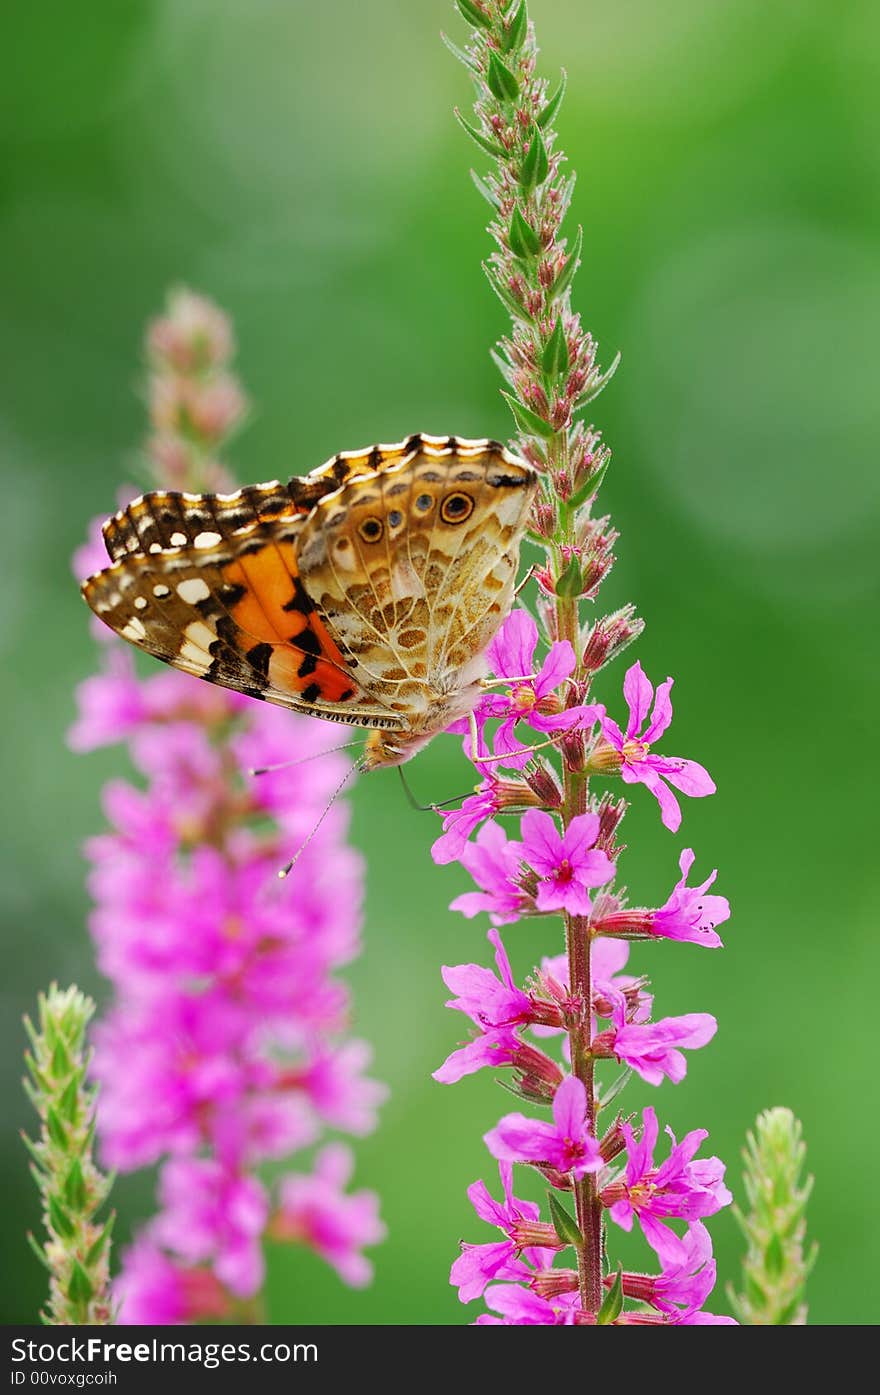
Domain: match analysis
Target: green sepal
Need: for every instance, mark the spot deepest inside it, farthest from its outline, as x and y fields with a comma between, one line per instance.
x=59, y=1220
x=566, y=275
x=536, y=163
x=75, y=1194
x=507, y=298
x=590, y=487
x=554, y=359
x=547, y=116
x=564, y=1223
x=524, y=241
x=491, y=147
x=612, y=1303
x=500, y=81
x=80, y=1290
x=474, y=16
x=460, y=54
x=516, y=31
x=55, y=1129
x=502, y=365
x=528, y=421
x=571, y=582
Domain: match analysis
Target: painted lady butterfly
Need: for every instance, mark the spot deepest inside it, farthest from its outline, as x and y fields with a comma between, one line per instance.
x=365, y=592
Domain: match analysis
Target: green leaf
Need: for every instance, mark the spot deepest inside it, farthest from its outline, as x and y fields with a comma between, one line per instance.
x=469, y=11
x=536, y=163
x=590, y=487
x=571, y=583
x=516, y=31
x=39, y=1252
x=789, y=1313
x=615, y=1087
x=563, y=281
x=524, y=241
x=548, y=115
x=507, y=298
x=68, y=1104
x=564, y=1223
x=774, y=1256
x=528, y=421
x=483, y=188
x=500, y=80
x=460, y=54
x=75, y=1194
x=491, y=147
x=592, y=393
x=59, y=1220
x=612, y=1303
x=554, y=359
x=96, y=1250
x=61, y=1063
x=80, y=1289
x=55, y=1129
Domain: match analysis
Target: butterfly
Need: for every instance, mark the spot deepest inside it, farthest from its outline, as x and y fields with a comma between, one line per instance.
x=365, y=592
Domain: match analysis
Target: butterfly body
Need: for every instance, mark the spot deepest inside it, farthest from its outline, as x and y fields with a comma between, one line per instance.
x=365, y=592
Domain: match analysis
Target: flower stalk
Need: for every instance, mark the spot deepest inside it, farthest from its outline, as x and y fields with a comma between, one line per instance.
x=73, y=1190
x=565, y=859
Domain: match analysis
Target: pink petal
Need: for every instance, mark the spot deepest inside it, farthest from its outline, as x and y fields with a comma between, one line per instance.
x=512, y=651
x=558, y=665
x=686, y=775
x=646, y=773
x=570, y=1107
x=541, y=841
x=662, y=714
x=638, y=693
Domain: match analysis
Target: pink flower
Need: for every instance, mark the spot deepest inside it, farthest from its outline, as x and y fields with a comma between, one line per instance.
x=493, y=862
x=566, y=863
x=689, y=914
x=531, y=696
x=155, y=1291
x=214, y=1215
x=566, y=1144
x=459, y=824
x=520, y=1307
x=684, y=1284
x=111, y=704
x=679, y=1187
x=316, y=1210
x=651, y=1049
x=495, y=1046
x=639, y=765
x=479, y=1265
x=488, y=1000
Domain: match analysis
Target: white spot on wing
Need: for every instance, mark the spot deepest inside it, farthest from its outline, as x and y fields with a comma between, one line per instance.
x=178, y=539
x=206, y=539
x=192, y=590
x=134, y=629
x=140, y=602
x=161, y=591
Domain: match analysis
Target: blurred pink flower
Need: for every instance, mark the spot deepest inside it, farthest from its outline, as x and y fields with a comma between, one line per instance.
x=316, y=1210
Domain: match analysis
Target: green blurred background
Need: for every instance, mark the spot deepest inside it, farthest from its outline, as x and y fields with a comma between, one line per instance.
x=299, y=163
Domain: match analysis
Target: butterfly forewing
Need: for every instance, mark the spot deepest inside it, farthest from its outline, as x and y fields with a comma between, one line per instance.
x=365, y=592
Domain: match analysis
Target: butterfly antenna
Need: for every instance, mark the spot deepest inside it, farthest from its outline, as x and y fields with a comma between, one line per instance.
x=316, y=755
x=354, y=769
x=427, y=808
